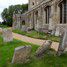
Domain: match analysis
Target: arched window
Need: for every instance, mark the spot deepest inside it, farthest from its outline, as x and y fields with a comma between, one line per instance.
x=32, y=3
x=63, y=11
x=23, y=22
x=36, y=13
x=48, y=14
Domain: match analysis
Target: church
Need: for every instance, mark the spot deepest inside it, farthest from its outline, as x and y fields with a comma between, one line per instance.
x=43, y=16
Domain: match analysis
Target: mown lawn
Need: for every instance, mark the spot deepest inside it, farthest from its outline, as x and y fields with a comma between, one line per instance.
x=38, y=35
x=49, y=60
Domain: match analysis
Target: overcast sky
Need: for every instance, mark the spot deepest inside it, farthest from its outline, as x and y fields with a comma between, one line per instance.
x=7, y=3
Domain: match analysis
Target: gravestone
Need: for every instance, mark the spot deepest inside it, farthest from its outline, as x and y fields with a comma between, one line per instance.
x=53, y=32
x=24, y=28
x=63, y=44
x=22, y=54
x=57, y=33
x=41, y=50
x=7, y=35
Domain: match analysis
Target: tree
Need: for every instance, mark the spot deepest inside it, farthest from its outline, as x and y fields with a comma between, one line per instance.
x=7, y=14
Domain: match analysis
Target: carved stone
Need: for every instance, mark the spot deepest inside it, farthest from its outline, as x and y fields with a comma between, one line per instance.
x=63, y=44
x=41, y=50
x=7, y=35
x=22, y=54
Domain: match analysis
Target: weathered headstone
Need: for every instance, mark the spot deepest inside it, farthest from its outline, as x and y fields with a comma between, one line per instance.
x=22, y=54
x=57, y=33
x=7, y=35
x=53, y=32
x=24, y=28
x=63, y=44
x=41, y=50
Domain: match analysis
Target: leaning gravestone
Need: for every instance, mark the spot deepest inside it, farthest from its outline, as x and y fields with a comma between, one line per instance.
x=41, y=50
x=63, y=44
x=22, y=54
x=7, y=35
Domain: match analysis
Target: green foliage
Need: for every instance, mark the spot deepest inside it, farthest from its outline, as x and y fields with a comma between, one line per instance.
x=49, y=60
x=3, y=26
x=7, y=51
x=38, y=35
x=7, y=13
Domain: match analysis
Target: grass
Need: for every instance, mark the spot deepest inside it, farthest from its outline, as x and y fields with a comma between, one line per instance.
x=3, y=26
x=49, y=60
x=38, y=35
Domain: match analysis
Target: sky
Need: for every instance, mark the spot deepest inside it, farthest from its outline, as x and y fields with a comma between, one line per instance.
x=7, y=3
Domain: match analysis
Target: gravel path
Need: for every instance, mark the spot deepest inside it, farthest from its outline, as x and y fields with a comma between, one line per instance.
x=34, y=41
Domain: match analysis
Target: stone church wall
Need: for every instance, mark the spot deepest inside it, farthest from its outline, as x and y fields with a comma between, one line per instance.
x=41, y=15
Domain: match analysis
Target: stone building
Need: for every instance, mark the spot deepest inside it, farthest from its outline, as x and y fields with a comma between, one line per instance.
x=43, y=15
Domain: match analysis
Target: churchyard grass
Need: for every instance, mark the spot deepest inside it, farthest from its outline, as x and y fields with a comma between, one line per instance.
x=3, y=26
x=7, y=50
x=49, y=60
x=38, y=35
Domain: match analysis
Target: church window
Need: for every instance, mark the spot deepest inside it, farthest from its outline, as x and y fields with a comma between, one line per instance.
x=23, y=22
x=32, y=3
